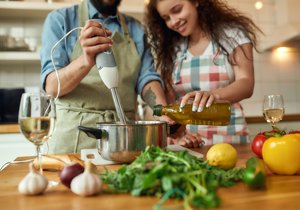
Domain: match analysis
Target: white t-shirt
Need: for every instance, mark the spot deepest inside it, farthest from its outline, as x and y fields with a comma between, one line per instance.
x=236, y=37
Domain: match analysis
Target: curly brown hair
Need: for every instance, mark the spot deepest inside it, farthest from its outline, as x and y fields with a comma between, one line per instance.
x=214, y=17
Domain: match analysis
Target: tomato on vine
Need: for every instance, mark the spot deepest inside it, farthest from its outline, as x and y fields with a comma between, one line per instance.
x=257, y=144
x=294, y=131
x=260, y=138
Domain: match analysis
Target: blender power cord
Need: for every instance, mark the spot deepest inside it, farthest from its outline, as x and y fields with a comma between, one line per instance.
x=52, y=60
x=55, y=69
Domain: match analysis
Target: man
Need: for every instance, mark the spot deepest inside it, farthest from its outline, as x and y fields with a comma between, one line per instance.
x=83, y=99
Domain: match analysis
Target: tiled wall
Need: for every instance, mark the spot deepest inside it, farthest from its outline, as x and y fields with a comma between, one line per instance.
x=273, y=75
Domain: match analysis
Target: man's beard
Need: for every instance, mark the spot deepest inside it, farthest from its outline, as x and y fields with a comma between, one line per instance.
x=106, y=9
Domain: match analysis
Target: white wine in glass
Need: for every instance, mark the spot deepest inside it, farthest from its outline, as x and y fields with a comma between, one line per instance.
x=37, y=119
x=273, y=109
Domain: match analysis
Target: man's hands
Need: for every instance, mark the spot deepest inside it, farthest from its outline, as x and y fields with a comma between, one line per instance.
x=94, y=39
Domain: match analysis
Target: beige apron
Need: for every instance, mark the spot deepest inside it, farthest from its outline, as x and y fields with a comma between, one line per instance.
x=91, y=101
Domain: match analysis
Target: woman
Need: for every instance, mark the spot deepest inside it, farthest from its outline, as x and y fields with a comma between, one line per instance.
x=203, y=51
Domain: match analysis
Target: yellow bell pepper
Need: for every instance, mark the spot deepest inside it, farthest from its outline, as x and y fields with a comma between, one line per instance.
x=282, y=154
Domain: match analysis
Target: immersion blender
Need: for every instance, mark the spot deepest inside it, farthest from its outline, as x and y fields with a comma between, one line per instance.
x=108, y=71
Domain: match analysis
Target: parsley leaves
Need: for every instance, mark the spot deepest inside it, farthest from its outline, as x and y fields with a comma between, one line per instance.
x=157, y=172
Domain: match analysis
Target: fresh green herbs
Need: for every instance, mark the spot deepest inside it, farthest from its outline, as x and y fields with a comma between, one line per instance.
x=157, y=172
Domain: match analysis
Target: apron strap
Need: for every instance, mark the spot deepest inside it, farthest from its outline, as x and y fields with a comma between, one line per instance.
x=123, y=24
x=181, y=56
x=83, y=13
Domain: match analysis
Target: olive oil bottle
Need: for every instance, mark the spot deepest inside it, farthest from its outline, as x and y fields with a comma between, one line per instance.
x=217, y=114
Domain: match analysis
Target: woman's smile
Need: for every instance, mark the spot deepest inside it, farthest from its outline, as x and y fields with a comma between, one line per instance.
x=181, y=28
x=179, y=15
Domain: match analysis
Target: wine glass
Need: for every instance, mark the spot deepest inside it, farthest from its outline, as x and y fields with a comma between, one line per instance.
x=37, y=119
x=273, y=109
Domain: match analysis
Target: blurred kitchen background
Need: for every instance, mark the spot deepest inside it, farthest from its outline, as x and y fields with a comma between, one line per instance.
x=277, y=67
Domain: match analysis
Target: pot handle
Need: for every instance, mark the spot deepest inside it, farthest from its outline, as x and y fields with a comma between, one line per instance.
x=95, y=133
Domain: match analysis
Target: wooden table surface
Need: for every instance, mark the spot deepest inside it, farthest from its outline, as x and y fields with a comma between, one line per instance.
x=282, y=192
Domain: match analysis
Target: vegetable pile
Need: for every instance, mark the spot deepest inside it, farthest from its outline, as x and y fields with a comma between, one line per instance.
x=178, y=175
x=282, y=154
x=280, y=150
x=81, y=180
x=260, y=138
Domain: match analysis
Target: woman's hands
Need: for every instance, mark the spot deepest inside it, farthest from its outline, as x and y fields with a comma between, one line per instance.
x=201, y=99
x=182, y=138
x=94, y=39
x=189, y=140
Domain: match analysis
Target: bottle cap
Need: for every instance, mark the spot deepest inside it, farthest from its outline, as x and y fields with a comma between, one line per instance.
x=157, y=109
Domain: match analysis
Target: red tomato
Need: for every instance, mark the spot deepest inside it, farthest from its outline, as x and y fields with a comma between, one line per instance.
x=260, y=138
x=294, y=131
x=257, y=144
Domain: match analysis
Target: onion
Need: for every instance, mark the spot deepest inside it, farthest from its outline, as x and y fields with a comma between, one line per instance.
x=69, y=172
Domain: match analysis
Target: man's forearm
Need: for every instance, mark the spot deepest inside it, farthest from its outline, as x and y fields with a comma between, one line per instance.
x=69, y=76
x=153, y=94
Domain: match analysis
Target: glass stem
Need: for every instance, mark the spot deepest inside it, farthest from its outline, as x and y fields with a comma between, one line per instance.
x=39, y=157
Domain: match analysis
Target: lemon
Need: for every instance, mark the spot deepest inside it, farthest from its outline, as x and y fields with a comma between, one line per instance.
x=222, y=155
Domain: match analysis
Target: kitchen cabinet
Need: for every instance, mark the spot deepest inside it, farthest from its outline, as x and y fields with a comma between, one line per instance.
x=39, y=9
x=33, y=10
x=19, y=57
x=27, y=11
x=13, y=145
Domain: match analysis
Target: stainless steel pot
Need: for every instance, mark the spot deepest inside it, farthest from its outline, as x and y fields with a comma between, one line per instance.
x=124, y=142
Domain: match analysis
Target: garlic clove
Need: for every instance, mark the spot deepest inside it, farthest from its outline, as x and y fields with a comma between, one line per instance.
x=87, y=183
x=33, y=183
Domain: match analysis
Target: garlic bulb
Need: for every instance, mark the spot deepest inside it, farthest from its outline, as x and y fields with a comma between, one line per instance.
x=33, y=183
x=87, y=183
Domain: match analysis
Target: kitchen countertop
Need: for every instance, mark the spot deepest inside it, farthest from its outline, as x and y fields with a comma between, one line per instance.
x=261, y=119
x=9, y=128
x=282, y=192
x=14, y=128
